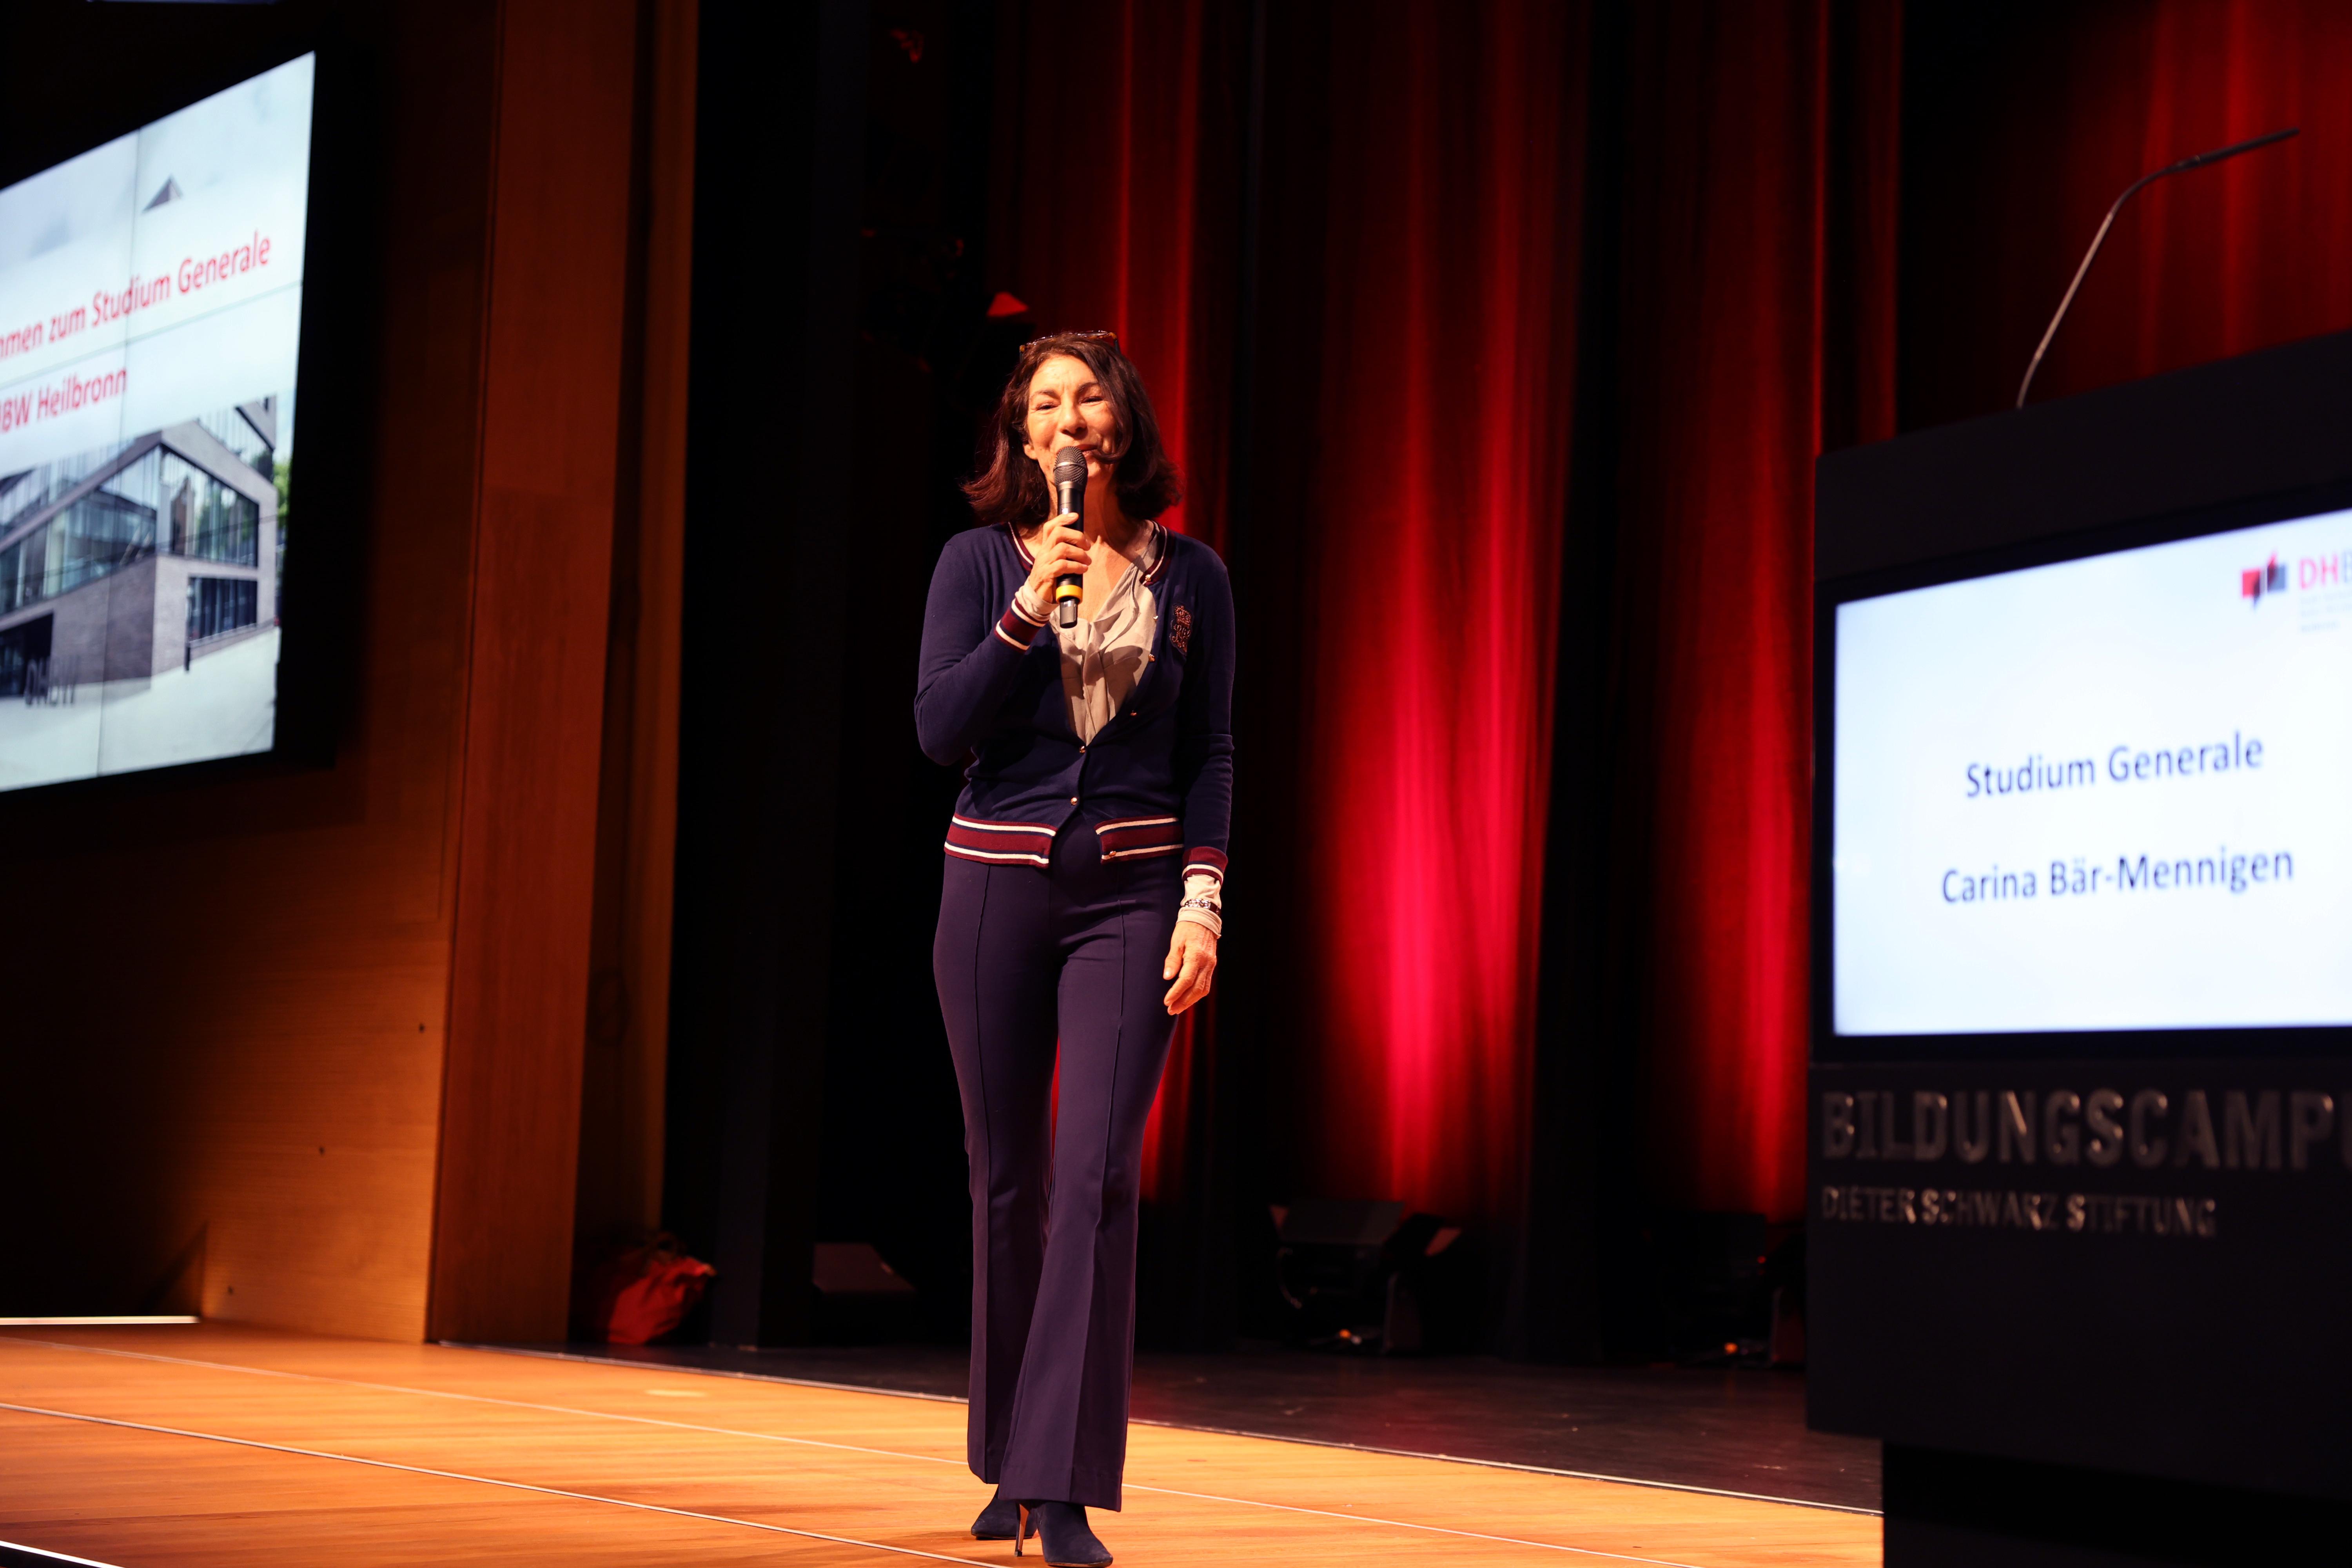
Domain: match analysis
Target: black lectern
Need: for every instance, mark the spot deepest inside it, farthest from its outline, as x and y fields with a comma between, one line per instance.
x=2080, y=1094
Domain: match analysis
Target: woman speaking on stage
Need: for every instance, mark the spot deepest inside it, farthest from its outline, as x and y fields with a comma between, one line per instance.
x=1081, y=902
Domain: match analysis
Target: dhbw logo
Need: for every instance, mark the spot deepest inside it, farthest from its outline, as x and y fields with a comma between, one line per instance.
x=2254, y=582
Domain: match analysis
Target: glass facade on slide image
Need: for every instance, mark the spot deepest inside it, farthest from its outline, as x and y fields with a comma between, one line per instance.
x=139, y=556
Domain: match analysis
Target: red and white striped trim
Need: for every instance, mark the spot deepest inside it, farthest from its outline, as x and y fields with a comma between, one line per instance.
x=1001, y=843
x=1016, y=628
x=1137, y=837
x=1202, y=862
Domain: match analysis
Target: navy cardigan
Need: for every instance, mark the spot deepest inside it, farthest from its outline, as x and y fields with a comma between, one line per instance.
x=1157, y=779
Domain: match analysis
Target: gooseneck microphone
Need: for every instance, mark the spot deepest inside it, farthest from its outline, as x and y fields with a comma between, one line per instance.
x=1070, y=496
x=2100, y=238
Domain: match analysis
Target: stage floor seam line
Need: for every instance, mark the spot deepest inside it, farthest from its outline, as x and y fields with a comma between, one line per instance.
x=496, y=1400
x=1177, y=1426
x=842, y=1447
x=490, y=1481
x=46, y=1555
x=776, y=1528
x=719, y=1372
x=1522, y=1469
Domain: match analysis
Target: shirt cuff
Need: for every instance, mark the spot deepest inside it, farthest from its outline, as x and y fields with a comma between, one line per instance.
x=1204, y=902
x=1201, y=918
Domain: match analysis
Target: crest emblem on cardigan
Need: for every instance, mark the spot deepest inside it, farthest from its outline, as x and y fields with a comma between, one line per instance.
x=1179, y=629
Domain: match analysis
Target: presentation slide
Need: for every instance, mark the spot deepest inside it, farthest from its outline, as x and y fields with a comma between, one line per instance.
x=150, y=307
x=2114, y=792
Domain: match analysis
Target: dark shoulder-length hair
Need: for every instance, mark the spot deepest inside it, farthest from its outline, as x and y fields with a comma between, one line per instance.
x=1010, y=489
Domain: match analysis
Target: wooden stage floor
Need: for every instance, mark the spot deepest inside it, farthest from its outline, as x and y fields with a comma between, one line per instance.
x=153, y=1447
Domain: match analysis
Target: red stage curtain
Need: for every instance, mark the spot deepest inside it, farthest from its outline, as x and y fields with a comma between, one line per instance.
x=1759, y=261
x=1431, y=447
x=1423, y=416
x=2042, y=116
x=1427, y=227
x=1135, y=107
x=1755, y=325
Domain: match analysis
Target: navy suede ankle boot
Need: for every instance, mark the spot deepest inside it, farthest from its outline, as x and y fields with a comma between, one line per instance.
x=1061, y=1535
x=999, y=1519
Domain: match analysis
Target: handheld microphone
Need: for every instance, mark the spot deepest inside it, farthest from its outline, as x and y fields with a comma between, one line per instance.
x=1070, y=496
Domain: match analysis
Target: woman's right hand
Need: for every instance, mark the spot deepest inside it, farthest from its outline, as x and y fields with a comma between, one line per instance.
x=1061, y=552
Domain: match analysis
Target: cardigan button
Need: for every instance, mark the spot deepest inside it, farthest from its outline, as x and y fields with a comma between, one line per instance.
x=1074, y=800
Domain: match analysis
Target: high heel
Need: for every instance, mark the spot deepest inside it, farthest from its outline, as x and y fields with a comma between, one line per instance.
x=1063, y=1537
x=999, y=1519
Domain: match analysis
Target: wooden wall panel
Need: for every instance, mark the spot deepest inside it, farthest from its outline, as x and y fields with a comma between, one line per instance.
x=542, y=561
x=220, y=1062
x=623, y=1091
x=302, y=1046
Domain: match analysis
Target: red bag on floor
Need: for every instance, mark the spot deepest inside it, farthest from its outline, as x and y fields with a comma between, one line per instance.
x=646, y=1291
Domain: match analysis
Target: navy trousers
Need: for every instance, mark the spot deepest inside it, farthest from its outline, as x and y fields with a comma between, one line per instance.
x=1025, y=957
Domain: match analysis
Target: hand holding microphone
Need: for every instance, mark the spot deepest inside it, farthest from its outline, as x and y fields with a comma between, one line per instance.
x=1061, y=557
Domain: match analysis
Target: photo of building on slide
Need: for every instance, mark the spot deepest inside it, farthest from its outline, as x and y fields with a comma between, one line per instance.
x=151, y=311
x=138, y=598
